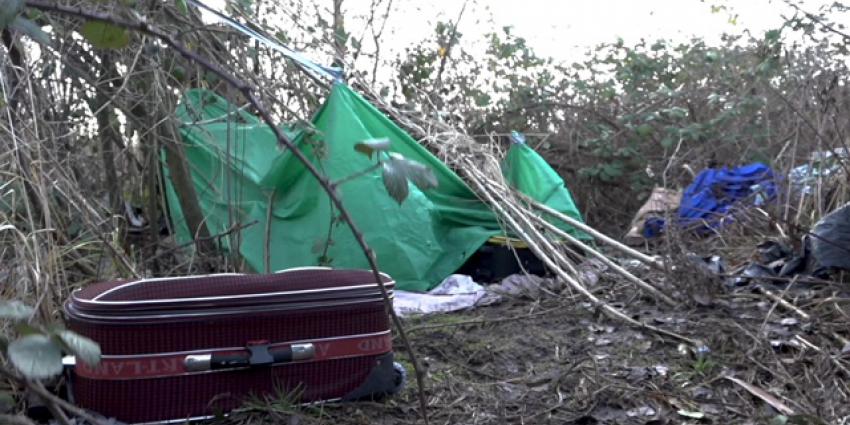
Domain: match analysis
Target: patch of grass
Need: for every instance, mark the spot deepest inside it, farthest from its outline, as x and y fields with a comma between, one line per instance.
x=696, y=370
x=440, y=376
x=281, y=403
x=703, y=366
x=436, y=320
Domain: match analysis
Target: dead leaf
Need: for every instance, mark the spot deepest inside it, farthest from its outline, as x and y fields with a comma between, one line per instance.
x=367, y=147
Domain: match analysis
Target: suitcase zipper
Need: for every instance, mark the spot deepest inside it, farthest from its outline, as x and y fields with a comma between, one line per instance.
x=187, y=314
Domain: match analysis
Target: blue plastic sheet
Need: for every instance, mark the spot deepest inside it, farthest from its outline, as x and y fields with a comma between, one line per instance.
x=710, y=199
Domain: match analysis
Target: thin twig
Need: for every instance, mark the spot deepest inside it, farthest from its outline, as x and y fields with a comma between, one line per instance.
x=784, y=303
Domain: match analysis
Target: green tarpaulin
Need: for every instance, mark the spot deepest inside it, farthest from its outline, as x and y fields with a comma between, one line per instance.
x=243, y=177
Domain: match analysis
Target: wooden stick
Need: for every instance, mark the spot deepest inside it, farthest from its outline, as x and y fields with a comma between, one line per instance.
x=596, y=234
x=607, y=261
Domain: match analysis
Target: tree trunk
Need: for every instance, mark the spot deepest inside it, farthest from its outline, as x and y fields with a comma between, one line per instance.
x=339, y=38
x=109, y=136
x=107, y=126
x=181, y=178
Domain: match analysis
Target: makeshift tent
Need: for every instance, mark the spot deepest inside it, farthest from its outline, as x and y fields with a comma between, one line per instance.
x=242, y=176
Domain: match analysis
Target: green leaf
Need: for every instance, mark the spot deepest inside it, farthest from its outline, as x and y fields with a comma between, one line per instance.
x=677, y=112
x=9, y=11
x=644, y=130
x=15, y=310
x=211, y=78
x=398, y=170
x=422, y=176
x=368, y=147
x=611, y=171
x=395, y=180
x=31, y=29
x=105, y=36
x=83, y=348
x=182, y=6
x=36, y=356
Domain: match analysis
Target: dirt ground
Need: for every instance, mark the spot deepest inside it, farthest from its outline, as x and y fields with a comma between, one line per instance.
x=558, y=360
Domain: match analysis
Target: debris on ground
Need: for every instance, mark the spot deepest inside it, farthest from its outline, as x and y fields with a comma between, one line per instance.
x=822, y=165
x=659, y=205
x=456, y=292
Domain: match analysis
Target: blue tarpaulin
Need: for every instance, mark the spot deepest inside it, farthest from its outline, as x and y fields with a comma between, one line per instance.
x=713, y=195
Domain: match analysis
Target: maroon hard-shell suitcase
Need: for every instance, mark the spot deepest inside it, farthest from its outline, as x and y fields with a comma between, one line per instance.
x=177, y=348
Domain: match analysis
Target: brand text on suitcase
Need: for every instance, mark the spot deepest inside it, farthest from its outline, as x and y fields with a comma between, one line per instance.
x=175, y=364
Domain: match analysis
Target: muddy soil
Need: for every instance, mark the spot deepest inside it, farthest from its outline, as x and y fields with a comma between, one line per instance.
x=559, y=360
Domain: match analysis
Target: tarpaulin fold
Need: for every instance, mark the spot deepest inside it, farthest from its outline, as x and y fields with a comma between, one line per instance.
x=242, y=176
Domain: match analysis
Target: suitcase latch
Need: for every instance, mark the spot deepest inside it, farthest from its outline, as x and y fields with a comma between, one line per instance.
x=260, y=354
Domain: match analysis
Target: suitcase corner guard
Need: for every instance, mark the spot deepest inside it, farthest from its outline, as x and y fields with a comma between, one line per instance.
x=387, y=378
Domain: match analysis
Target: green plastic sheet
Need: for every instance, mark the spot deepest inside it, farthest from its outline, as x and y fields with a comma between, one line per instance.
x=244, y=179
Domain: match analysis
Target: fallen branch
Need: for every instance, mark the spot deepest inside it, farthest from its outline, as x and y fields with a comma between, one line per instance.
x=588, y=249
x=653, y=262
x=531, y=235
x=607, y=261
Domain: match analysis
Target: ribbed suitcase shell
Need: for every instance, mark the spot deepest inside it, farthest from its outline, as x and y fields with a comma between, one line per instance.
x=203, y=313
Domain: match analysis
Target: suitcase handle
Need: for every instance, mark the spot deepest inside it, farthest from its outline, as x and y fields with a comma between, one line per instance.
x=256, y=355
